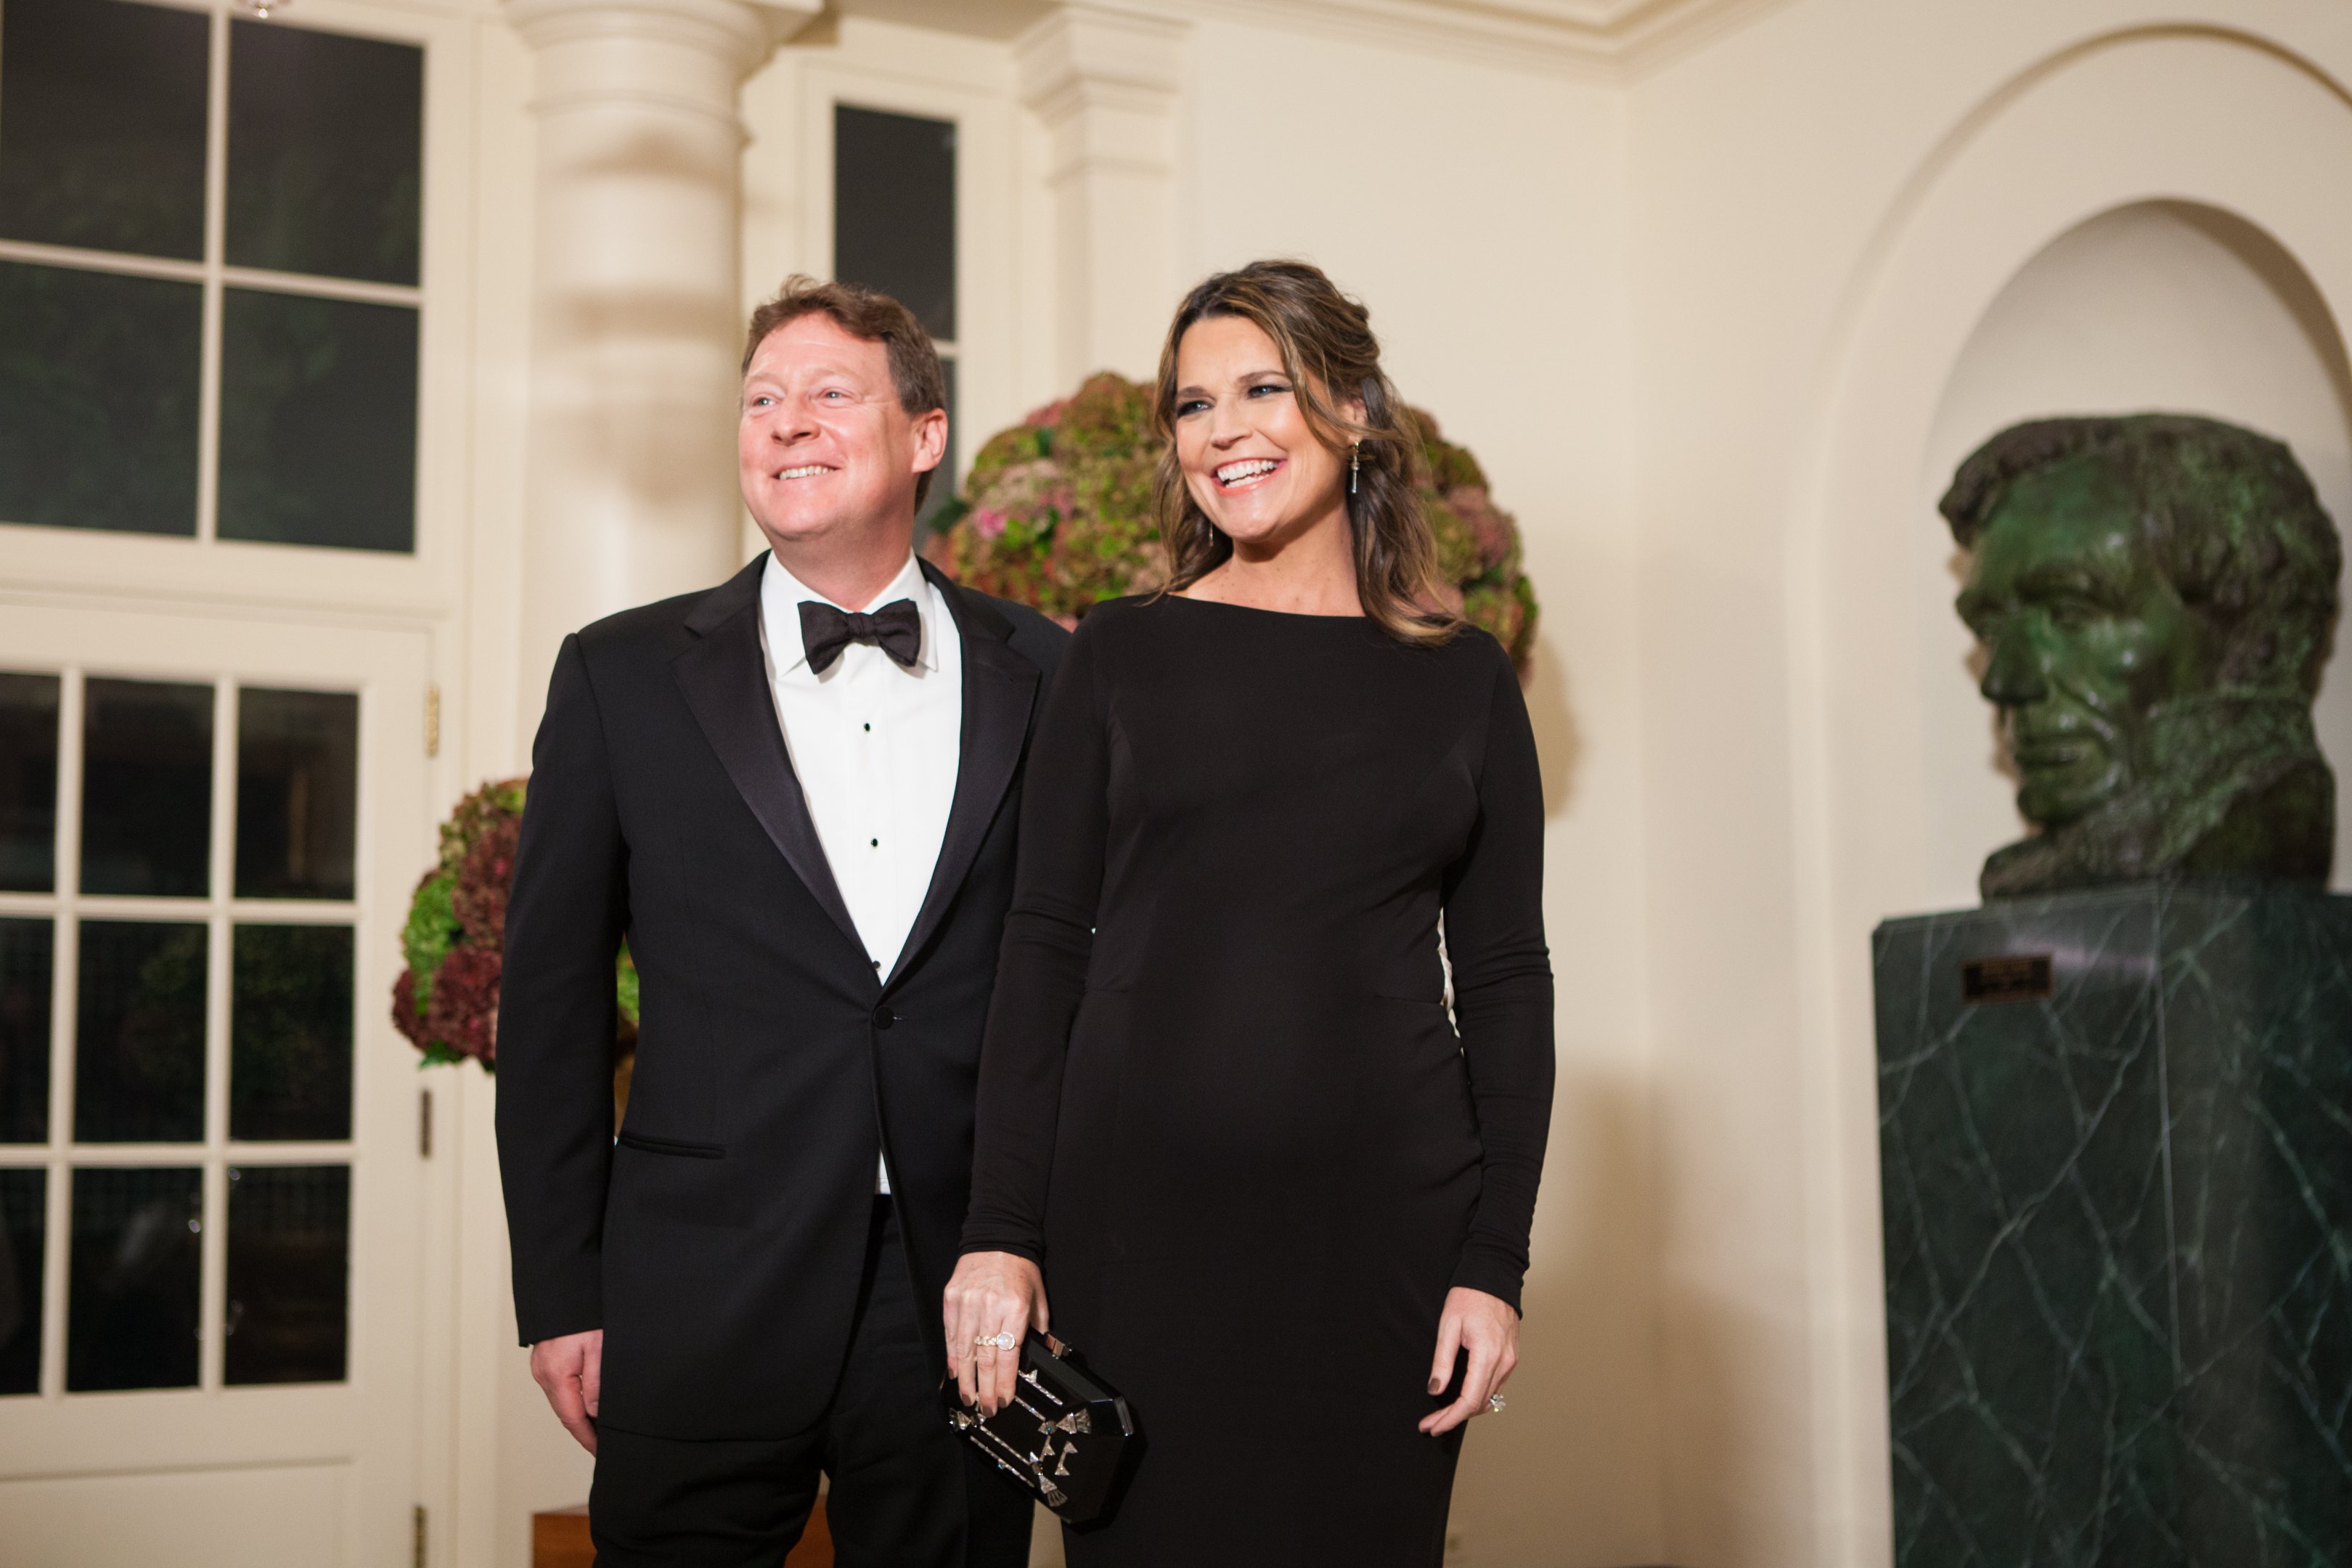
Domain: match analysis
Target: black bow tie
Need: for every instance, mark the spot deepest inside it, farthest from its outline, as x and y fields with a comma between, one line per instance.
x=897, y=629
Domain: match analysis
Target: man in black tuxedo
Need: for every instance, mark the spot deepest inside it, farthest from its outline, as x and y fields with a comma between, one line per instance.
x=795, y=795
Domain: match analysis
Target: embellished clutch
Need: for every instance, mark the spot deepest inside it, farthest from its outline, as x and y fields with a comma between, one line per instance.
x=1065, y=1437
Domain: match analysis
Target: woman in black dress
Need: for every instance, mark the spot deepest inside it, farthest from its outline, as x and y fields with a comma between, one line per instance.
x=1278, y=1199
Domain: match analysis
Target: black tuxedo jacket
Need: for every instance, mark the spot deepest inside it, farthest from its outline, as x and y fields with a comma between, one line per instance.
x=718, y=1242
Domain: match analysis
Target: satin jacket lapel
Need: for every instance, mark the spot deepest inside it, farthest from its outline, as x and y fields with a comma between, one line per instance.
x=999, y=688
x=724, y=678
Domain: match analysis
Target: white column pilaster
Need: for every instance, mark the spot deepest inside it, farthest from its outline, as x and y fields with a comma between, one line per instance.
x=636, y=331
x=1105, y=85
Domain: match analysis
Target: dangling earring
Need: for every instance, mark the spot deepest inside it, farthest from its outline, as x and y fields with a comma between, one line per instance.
x=1355, y=461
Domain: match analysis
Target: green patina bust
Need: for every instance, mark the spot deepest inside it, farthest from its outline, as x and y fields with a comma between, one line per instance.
x=2154, y=595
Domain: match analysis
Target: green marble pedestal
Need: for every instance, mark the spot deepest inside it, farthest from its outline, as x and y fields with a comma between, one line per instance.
x=2118, y=1225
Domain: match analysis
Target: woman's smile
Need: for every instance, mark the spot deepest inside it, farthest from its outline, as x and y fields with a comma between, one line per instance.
x=1247, y=473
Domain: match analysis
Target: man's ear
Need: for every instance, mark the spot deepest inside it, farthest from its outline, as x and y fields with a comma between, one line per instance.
x=930, y=439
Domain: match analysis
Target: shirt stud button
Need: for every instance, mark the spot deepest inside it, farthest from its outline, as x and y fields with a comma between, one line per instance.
x=874, y=843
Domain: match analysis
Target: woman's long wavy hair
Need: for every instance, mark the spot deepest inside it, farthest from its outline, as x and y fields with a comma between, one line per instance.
x=1329, y=354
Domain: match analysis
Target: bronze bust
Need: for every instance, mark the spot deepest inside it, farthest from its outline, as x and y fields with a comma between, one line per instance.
x=2154, y=595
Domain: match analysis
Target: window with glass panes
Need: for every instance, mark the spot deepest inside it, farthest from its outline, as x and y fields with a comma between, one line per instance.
x=209, y=237
x=177, y=930
x=894, y=229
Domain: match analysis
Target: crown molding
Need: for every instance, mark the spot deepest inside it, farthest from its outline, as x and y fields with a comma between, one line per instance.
x=1602, y=39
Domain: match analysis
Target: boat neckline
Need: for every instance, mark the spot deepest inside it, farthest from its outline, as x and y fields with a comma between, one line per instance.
x=1357, y=618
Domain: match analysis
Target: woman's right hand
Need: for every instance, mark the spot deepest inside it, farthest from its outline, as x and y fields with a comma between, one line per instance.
x=992, y=1293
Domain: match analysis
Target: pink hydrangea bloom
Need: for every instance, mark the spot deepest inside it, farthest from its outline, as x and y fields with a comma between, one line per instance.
x=1489, y=524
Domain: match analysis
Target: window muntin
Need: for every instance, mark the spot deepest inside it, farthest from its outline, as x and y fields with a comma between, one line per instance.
x=261, y=385
x=176, y=1066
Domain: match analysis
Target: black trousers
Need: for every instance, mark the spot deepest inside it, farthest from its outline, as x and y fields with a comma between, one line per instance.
x=906, y=1494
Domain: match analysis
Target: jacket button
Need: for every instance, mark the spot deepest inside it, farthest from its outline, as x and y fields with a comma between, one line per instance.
x=884, y=1017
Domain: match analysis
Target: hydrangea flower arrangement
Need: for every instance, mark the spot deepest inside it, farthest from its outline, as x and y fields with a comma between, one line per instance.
x=1056, y=513
x=447, y=1000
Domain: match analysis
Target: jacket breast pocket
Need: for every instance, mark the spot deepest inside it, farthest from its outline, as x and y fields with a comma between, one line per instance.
x=659, y=1182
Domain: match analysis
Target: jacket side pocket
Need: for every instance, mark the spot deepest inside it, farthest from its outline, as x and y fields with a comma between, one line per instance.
x=671, y=1146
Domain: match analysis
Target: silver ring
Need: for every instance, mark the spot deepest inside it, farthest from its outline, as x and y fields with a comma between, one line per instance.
x=1494, y=1402
x=1000, y=1341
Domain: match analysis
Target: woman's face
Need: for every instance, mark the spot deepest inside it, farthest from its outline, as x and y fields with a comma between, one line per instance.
x=1250, y=459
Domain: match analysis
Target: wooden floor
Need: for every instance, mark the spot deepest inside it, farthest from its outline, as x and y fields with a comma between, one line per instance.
x=560, y=1540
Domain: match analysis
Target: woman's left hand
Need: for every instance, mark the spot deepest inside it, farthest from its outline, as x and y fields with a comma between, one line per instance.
x=1488, y=1328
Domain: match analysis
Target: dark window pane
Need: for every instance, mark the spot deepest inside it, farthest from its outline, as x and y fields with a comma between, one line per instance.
x=325, y=152
x=131, y=1307
x=139, y=1035
x=27, y=949
x=24, y=1224
x=290, y=1229
x=147, y=788
x=298, y=757
x=893, y=210
x=290, y=1073
x=98, y=399
x=102, y=126
x=318, y=422
x=29, y=783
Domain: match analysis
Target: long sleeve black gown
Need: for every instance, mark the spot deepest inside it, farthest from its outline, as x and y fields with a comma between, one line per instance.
x=1221, y=1101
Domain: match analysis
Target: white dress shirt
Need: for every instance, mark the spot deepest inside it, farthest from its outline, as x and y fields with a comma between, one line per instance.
x=876, y=749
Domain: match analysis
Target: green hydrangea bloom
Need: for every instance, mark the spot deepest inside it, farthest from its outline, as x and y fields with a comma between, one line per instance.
x=432, y=929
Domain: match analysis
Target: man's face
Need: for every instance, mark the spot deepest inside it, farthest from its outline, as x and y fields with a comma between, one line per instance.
x=824, y=447
x=2083, y=636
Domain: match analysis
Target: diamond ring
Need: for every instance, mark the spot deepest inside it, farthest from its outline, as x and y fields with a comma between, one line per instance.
x=1494, y=1402
x=1003, y=1341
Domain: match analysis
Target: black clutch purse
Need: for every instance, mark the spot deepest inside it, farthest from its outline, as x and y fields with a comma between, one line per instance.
x=1066, y=1436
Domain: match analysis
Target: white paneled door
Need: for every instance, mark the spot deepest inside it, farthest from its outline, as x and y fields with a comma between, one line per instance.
x=211, y=1178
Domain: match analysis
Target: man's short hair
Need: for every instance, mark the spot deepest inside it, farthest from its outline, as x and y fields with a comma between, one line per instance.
x=876, y=316
x=2229, y=515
